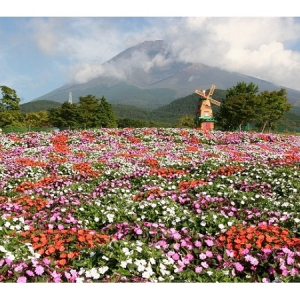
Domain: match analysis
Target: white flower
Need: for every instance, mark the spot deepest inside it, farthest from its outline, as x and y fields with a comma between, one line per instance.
x=152, y=260
x=221, y=226
x=123, y=264
x=79, y=280
x=139, y=249
x=102, y=270
x=105, y=258
x=96, y=219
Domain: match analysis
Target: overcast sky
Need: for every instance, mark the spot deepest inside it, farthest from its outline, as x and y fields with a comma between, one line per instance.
x=42, y=50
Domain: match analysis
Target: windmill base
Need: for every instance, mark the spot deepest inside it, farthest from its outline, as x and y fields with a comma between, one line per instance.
x=205, y=124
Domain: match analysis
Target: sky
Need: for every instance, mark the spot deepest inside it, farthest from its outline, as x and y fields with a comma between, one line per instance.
x=45, y=47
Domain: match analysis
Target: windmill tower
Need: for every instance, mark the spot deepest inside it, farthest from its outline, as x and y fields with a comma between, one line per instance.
x=70, y=98
x=204, y=114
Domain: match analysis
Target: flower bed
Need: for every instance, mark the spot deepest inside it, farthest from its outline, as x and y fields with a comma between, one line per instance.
x=149, y=205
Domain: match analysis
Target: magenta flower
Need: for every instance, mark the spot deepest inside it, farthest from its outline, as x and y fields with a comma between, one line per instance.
x=22, y=279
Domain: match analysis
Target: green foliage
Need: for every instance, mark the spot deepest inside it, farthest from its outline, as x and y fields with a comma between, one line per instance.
x=90, y=112
x=188, y=121
x=10, y=100
x=11, y=118
x=238, y=109
x=270, y=108
x=131, y=123
x=243, y=105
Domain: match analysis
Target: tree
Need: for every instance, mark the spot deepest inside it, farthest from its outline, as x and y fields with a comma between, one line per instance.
x=187, y=121
x=66, y=116
x=270, y=108
x=108, y=117
x=238, y=108
x=11, y=118
x=90, y=112
x=36, y=119
x=10, y=100
x=131, y=123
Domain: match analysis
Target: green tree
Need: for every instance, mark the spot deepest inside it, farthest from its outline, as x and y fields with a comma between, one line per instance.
x=10, y=100
x=270, y=108
x=131, y=123
x=36, y=119
x=66, y=116
x=13, y=118
x=187, y=121
x=106, y=114
x=238, y=108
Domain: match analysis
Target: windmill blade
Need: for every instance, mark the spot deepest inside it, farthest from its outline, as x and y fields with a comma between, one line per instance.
x=215, y=102
x=211, y=90
x=200, y=93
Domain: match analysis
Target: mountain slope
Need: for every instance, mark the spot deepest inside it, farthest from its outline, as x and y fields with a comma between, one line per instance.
x=149, y=76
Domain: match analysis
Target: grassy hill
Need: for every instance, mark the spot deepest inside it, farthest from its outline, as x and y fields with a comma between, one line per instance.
x=39, y=105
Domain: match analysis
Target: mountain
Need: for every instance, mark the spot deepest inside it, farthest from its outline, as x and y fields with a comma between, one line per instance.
x=149, y=76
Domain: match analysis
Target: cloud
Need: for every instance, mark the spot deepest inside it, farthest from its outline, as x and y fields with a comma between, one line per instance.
x=259, y=47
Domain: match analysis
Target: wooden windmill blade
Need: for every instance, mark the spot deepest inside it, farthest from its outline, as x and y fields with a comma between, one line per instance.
x=200, y=93
x=215, y=102
x=212, y=89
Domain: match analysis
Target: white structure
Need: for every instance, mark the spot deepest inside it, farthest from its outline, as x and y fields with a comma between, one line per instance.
x=70, y=97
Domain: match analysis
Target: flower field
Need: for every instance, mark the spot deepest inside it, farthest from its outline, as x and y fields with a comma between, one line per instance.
x=149, y=205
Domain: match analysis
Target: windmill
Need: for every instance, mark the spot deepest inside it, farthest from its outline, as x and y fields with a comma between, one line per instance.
x=204, y=115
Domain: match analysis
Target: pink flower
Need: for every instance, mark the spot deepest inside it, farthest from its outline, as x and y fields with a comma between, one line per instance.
x=22, y=279
x=209, y=243
x=198, y=270
x=265, y=280
x=176, y=246
x=204, y=264
x=39, y=270
x=175, y=256
x=30, y=273
x=208, y=253
x=238, y=267
x=46, y=261
x=229, y=253
x=290, y=260
x=198, y=244
x=202, y=256
x=60, y=227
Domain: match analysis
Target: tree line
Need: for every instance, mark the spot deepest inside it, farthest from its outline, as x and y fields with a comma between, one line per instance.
x=242, y=105
x=89, y=112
